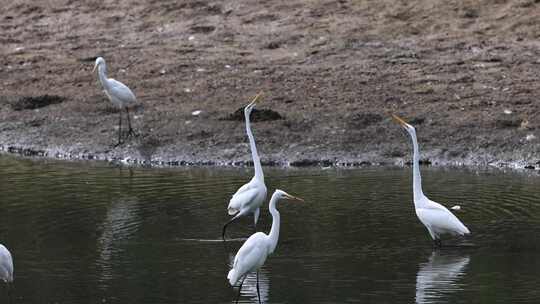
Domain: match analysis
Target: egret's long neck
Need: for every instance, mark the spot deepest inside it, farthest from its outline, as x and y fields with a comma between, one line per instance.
x=102, y=73
x=417, y=179
x=256, y=161
x=274, y=231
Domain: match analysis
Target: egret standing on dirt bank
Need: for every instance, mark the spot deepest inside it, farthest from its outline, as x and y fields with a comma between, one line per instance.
x=253, y=253
x=119, y=94
x=437, y=219
x=249, y=198
x=6, y=267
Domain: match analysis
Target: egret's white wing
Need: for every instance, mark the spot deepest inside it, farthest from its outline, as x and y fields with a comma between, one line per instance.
x=244, y=187
x=239, y=200
x=121, y=91
x=252, y=254
x=441, y=219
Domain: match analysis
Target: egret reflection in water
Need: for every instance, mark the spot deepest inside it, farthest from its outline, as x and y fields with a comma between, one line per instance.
x=439, y=276
x=119, y=225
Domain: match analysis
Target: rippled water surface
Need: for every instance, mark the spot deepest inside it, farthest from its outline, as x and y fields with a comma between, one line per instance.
x=93, y=233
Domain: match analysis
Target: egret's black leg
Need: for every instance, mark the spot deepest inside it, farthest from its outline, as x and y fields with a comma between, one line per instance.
x=225, y=226
x=258, y=292
x=130, y=129
x=240, y=289
x=119, y=129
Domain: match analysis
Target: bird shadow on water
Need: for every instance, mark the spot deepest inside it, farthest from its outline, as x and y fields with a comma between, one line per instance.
x=440, y=275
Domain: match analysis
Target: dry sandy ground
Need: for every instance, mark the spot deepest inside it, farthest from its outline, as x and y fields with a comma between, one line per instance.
x=464, y=72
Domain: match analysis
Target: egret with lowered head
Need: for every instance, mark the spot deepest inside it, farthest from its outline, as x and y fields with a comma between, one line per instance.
x=437, y=219
x=119, y=94
x=249, y=198
x=253, y=253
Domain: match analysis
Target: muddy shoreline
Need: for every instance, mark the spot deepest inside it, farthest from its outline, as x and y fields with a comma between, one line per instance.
x=465, y=74
x=303, y=163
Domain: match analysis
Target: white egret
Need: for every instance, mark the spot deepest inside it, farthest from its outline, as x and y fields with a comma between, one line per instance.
x=253, y=253
x=6, y=268
x=437, y=219
x=119, y=94
x=249, y=198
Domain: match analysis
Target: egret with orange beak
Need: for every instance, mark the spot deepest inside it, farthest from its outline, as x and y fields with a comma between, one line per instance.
x=249, y=198
x=437, y=219
x=253, y=253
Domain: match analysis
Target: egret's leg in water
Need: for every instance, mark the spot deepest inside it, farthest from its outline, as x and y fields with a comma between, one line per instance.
x=258, y=292
x=226, y=224
x=240, y=289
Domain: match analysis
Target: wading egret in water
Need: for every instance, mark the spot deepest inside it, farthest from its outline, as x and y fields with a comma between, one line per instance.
x=253, y=253
x=249, y=198
x=437, y=219
x=6, y=268
x=119, y=94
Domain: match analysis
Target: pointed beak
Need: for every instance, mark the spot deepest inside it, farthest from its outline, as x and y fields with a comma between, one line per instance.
x=256, y=99
x=294, y=198
x=399, y=120
x=95, y=66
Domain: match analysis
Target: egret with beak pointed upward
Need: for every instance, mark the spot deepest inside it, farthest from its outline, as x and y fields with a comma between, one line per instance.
x=249, y=198
x=253, y=253
x=119, y=94
x=437, y=219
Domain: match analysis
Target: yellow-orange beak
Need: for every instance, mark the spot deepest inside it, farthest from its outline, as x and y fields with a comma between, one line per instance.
x=256, y=98
x=288, y=196
x=399, y=120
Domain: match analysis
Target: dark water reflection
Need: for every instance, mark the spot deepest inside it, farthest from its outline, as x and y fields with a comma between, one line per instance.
x=439, y=276
x=91, y=233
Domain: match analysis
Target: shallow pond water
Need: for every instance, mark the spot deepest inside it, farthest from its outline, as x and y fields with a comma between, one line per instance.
x=95, y=233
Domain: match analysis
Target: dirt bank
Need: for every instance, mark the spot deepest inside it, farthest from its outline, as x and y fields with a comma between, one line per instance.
x=464, y=72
